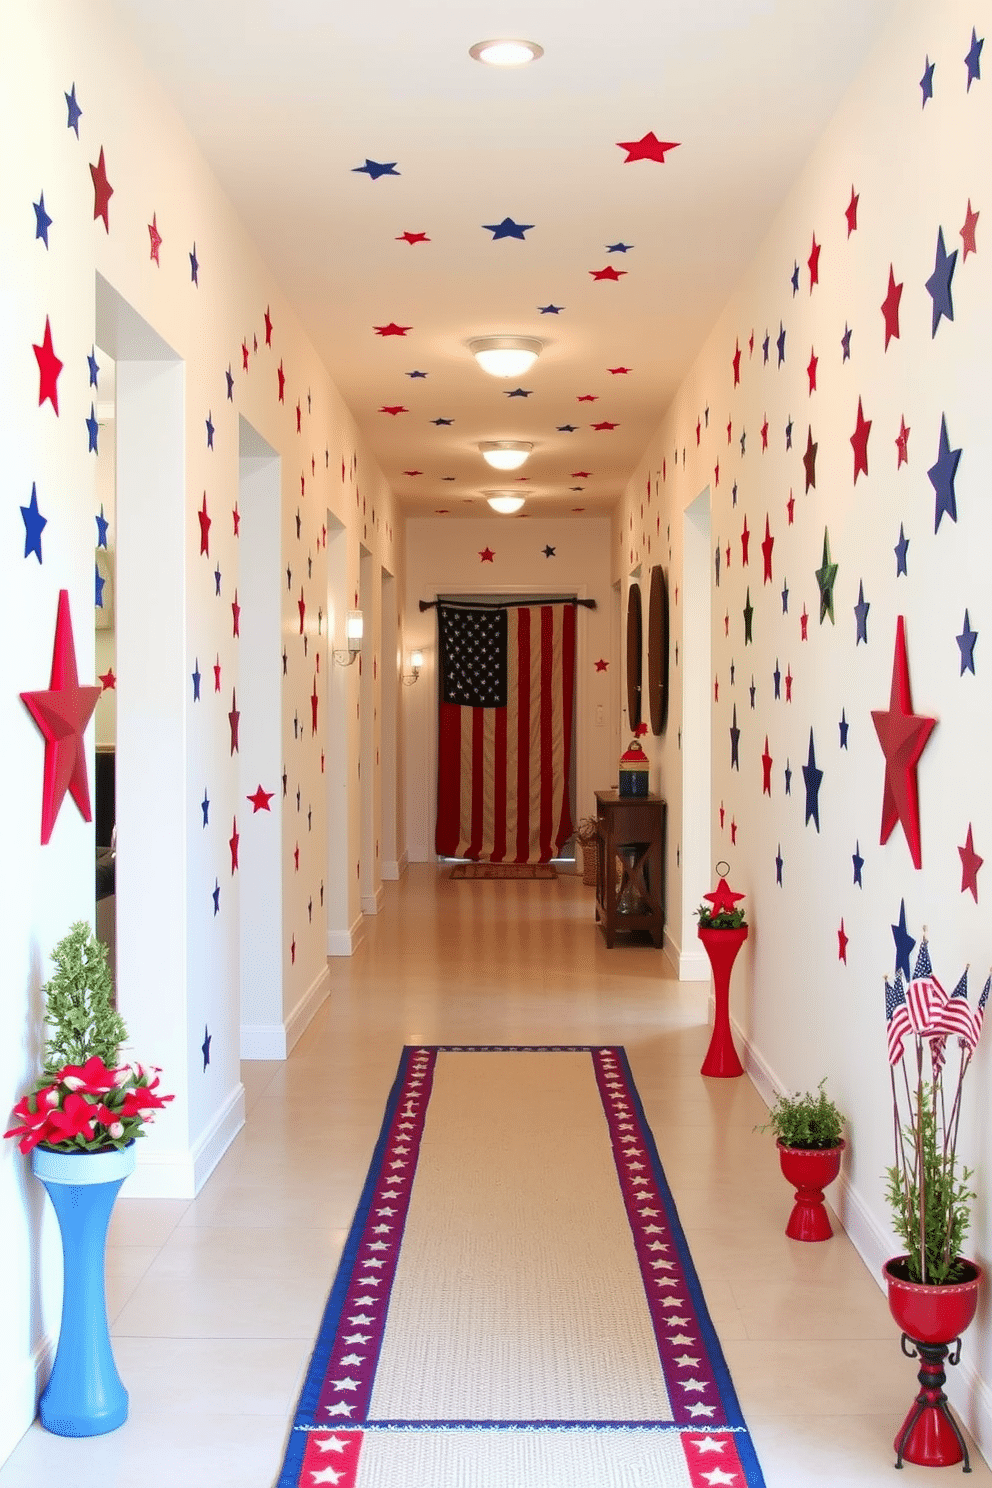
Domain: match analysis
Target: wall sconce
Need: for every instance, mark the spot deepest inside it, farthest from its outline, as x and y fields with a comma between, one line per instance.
x=413, y=675
x=353, y=639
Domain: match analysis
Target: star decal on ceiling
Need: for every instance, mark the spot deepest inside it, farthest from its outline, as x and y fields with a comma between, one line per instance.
x=814, y=779
x=416, y=375
x=809, y=460
x=618, y=371
x=970, y=864
x=35, y=524
x=375, y=168
x=507, y=229
x=648, y=147
x=392, y=329
x=966, y=642
x=102, y=191
x=413, y=237
x=826, y=576
x=903, y=736
x=567, y=428
x=942, y=475
x=861, y=615
x=939, y=283
x=49, y=368
x=736, y=363
x=62, y=712
x=890, y=308
x=859, y=443
x=442, y=423
x=518, y=392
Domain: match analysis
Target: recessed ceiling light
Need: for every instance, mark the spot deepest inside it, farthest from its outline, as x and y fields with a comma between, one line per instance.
x=506, y=52
x=504, y=502
x=506, y=356
x=505, y=454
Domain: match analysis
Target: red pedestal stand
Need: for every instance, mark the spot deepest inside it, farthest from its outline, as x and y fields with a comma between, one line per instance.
x=722, y=946
x=809, y=1170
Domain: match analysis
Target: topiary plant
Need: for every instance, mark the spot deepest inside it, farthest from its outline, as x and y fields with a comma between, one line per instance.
x=79, y=1006
x=808, y=1119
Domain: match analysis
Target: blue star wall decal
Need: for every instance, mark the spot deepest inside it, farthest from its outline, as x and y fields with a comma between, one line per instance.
x=507, y=228
x=518, y=392
x=858, y=862
x=551, y=309
x=549, y=552
x=210, y=430
x=205, y=1046
x=93, y=431
x=795, y=280
x=753, y=691
x=217, y=580
x=230, y=384
x=216, y=896
x=861, y=615
x=777, y=681
x=194, y=267
x=785, y=599
x=843, y=726
x=442, y=423
x=416, y=374
x=845, y=342
x=901, y=549
x=619, y=247
x=75, y=113
x=779, y=863
x=716, y=563
x=966, y=643
x=788, y=435
x=98, y=585
x=375, y=168
x=939, y=283
x=205, y=808
x=788, y=778
x=973, y=61
x=814, y=779
x=780, y=343
x=926, y=81
x=942, y=475
x=196, y=680
x=567, y=428
x=735, y=743
x=904, y=942
x=42, y=221
x=101, y=528
x=94, y=367
x=35, y=523
x=765, y=347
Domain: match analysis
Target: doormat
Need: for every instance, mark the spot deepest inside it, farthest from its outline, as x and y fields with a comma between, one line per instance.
x=516, y=1303
x=504, y=870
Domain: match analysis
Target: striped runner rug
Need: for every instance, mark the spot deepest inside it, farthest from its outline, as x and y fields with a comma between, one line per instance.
x=516, y=1306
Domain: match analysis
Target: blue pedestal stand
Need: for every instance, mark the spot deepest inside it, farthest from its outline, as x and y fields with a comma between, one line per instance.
x=84, y=1395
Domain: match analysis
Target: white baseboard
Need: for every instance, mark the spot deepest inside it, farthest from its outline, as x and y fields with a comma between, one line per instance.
x=690, y=966
x=24, y=1380
x=275, y=1040
x=372, y=903
x=395, y=870
x=345, y=942
x=181, y=1174
x=967, y=1391
x=306, y=1009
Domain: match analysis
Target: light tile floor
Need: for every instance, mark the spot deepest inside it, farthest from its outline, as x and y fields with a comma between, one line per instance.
x=214, y=1303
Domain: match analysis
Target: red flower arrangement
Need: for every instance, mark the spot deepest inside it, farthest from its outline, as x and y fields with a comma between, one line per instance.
x=88, y=1107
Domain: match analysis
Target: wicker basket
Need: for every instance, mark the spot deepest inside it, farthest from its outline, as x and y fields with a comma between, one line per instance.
x=587, y=839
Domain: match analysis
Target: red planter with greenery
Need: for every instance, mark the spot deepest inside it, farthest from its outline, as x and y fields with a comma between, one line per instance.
x=809, y=1170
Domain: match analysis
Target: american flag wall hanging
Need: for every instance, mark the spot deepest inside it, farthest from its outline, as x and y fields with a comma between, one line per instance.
x=507, y=692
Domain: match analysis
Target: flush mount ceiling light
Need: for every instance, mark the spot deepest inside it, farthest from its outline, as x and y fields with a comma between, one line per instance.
x=505, y=454
x=504, y=502
x=506, y=52
x=506, y=356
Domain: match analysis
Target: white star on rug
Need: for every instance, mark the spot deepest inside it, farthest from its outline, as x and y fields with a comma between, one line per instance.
x=673, y=1301
x=652, y=1229
x=707, y=1443
x=330, y=1443
x=658, y=1245
x=385, y=1211
x=381, y=1229
x=346, y=1384
x=357, y=1338
x=718, y=1476
x=361, y=1320
x=701, y=1410
x=365, y=1301
x=326, y=1475
x=339, y=1409
x=693, y=1384
x=355, y=1359
x=686, y=1361
x=366, y=1265
x=647, y=1213
x=675, y=1340
x=379, y=1245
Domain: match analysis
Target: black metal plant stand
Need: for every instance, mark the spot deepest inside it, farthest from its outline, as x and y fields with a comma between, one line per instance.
x=931, y=1447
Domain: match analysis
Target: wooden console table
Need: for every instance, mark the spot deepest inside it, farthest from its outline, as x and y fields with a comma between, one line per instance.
x=631, y=832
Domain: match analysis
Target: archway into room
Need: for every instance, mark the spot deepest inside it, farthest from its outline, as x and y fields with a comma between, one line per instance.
x=696, y=730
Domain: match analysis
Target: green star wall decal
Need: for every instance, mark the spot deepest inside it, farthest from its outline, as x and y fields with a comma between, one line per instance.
x=826, y=576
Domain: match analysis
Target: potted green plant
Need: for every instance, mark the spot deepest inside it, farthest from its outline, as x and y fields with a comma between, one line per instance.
x=932, y=1286
x=79, y=1123
x=808, y=1131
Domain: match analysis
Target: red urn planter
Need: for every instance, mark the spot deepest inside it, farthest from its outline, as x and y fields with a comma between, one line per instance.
x=809, y=1170
x=932, y=1319
x=722, y=946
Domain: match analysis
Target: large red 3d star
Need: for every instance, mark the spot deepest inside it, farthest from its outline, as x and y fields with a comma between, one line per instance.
x=903, y=735
x=260, y=800
x=62, y=713
x=970, y=864
x=859, y=443
x=648, y=147
x=890, y=308
x=392, y=329
x=49, y=368
x=102, y=191
x=608, y=273
x=723, y=897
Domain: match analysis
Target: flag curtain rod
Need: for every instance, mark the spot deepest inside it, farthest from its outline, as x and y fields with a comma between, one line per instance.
x=502, y=604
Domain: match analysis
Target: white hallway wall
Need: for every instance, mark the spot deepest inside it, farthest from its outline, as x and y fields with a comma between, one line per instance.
x=915, y=167
x=213, y=326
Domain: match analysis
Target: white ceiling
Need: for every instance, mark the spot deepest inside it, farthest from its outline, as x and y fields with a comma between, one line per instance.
x=287, y=97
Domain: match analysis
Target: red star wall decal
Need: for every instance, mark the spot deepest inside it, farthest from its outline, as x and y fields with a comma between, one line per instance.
x=299, y=418
x=260, y=800
x=764, y=435
x=394, y=409
x=811, y=369
x=602, y=664
x=234, y=718
x=859, y=443
x=737, y=363
x=968, y=232
x=604, y=425
x=102, y=191
x=890, y=308
x=587, y=398
x=155, y=237
x=49, y=368
x=842, y=942
x=413, y=472
x=236, y=614
x=766, y=771
x=903, y=735
x=813, y=264
x=296, y=858
x=851, y=212
x=235, y=516
x=790, y=507
x=204, y=527
x=648, y=147
x=581, y=474
x=486, y=555
x=809, y=461
x=62, y=713
x=392, y=329
x=301, y=605
x=108, y=680
x=970, y=864
x=217, y=675
x=233, y=845
x=766, y=551
x=282, y=382
x=745, y=540
x=268, y=327
x=244, y=356
x=608, y=273
x=618, y=372
x=804, y=624
x=789, y=679
x=413, y=237
x=902, y=444
x=314, y=701
x=716, y=689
